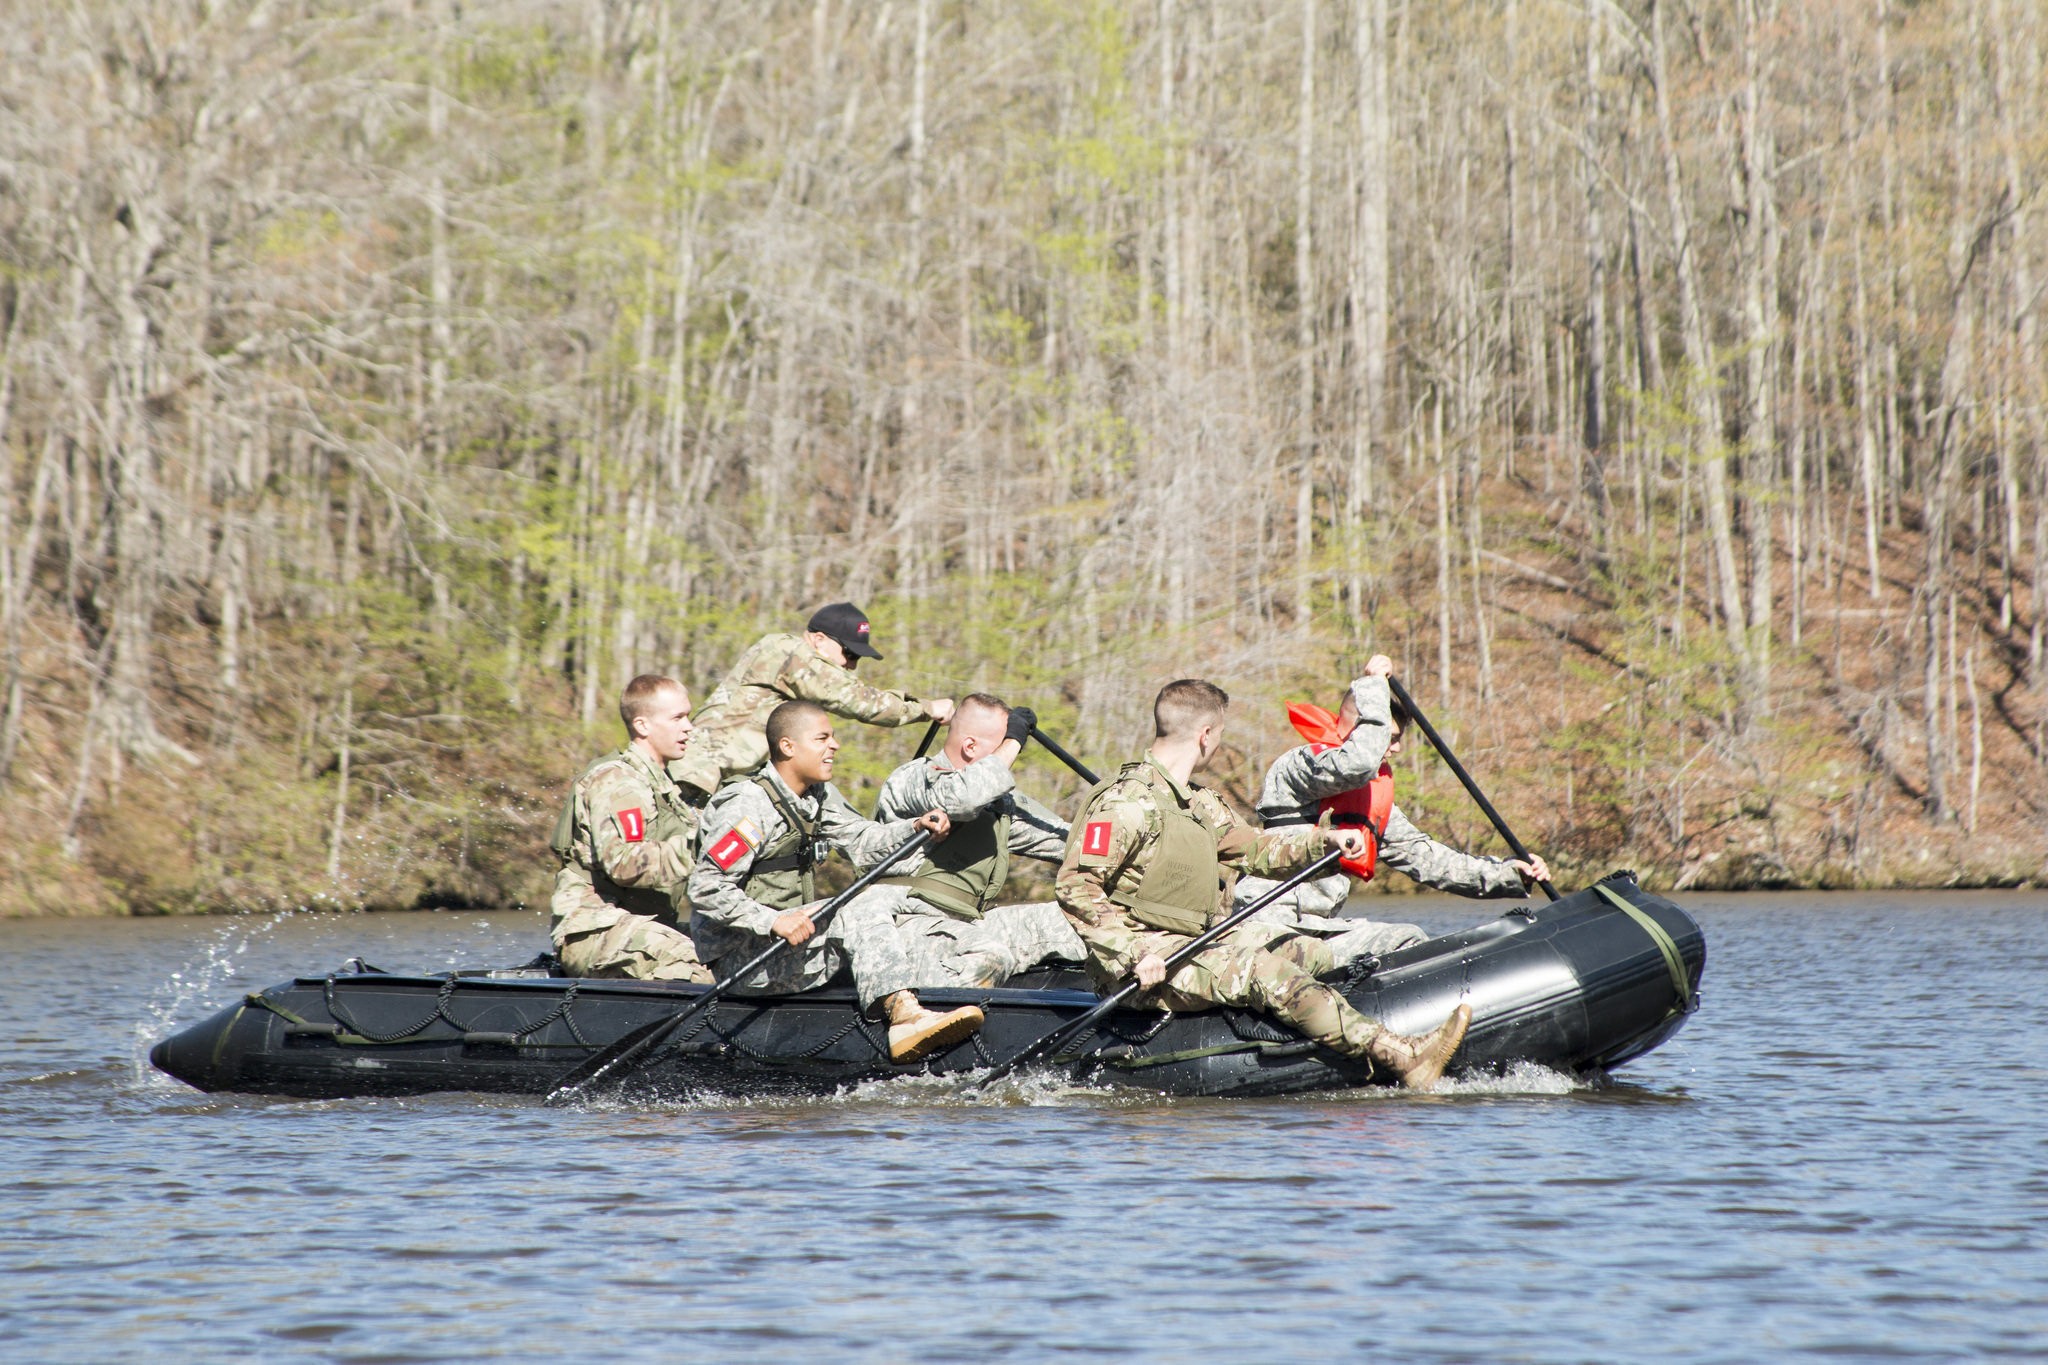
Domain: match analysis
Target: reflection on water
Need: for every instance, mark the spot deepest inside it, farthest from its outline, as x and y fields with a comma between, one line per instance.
x=1840, y=1156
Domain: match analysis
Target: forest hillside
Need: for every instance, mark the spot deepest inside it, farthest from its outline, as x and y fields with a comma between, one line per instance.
x=382, y=383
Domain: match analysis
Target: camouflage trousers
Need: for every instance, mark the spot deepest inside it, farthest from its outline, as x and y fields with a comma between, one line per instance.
x=1265, y=968
x=1312, y=908
x=636, y=947
x=861, y=935
x=947, y=951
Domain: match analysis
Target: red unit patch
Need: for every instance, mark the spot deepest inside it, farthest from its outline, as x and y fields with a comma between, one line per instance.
x=632, y=824
x=1095, y=839
x=729, y=849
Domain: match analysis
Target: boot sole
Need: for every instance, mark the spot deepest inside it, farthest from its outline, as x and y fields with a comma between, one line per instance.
x=952, y=1028
x=1430, y=1069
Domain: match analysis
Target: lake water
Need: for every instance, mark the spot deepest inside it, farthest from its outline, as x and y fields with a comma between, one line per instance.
x=1843, y=1156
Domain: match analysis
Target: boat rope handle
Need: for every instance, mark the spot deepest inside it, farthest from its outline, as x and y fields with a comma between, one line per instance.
x=1672, y=958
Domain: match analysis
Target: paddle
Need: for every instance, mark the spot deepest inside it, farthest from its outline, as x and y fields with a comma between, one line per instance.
x=1051, y=747
x=1437, y=741
x=924, y=746
x=1174, y=962
x=629, y=1053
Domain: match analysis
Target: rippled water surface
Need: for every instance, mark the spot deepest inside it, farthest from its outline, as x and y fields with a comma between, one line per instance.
x=1845, y=1154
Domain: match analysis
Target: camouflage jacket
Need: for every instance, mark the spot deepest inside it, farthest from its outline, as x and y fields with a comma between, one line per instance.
x=963, y=793
x=723, y=917
x=992, y=823
x=731, y=728
x=630, y=839
x=1299, y=780
x=1111, y=844
x=1301, y=777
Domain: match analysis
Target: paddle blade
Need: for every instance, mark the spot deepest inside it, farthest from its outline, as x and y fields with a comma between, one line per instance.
x=595, y=1069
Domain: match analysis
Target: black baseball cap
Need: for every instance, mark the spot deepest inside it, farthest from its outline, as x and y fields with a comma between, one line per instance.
x=847, y=624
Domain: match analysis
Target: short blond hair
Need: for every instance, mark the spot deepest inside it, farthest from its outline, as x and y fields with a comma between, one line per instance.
x=1185, y=706
x=638, y=698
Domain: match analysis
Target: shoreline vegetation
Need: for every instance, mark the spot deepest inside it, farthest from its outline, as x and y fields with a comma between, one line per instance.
x=1661, y=386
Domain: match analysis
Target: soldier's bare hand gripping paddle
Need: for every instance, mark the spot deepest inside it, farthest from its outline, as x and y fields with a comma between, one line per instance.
x=608, y=1068
x=1073, y=1028
x=1458, y=769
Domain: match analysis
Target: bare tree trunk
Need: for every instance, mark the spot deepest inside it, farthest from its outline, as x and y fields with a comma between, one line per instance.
x=1759, y=257
x=1305, y=322
x=1702, y=383
x=1443, y=559
x=1370, y=304
x=1593, y=429
x=1866, y=430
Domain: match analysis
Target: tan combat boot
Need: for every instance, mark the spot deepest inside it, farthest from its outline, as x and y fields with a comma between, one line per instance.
x=916, y=1032
x=1419, y=1060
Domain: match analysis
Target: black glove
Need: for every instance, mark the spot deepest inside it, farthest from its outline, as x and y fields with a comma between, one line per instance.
x=1022, y=719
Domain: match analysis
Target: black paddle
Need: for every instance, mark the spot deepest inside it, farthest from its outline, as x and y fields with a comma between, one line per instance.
x=629, y=1053
x=1053, y=748
x=1174, y=962
x=924, y=746
x=1437, y=741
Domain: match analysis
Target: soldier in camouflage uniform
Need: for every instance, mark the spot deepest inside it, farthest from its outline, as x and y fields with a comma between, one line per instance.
x=1301, y=778
x=625, y=837
x=816, y=666
x=944, y=901
x=1148, y=867
x=763, y=834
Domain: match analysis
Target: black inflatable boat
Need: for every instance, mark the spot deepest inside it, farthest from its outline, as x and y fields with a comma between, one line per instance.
x=1584, y=984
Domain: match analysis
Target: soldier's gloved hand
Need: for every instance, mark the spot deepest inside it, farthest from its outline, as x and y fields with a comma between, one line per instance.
x=937, y=822
x=794, y=927
x=1022, y=720
x=1150, y=971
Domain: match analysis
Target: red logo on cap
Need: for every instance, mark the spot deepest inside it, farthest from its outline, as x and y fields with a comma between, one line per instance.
x=861, y=629
x=1095, y=839
x=633, y=825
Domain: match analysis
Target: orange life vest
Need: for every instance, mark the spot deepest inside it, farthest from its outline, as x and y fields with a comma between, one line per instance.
x=1366, y=807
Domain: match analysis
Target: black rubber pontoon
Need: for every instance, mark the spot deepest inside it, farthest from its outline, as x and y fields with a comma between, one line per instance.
x=1581, y=985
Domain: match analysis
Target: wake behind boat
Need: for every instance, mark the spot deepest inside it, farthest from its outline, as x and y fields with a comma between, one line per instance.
x=1581, y=985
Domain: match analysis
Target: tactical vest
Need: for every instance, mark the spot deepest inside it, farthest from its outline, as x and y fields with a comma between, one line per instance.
x=964, y=875
x=1179, y=891
x=780, y=876
x=671, y=817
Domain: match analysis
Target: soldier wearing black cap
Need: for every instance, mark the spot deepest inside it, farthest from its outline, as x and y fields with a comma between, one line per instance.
x=816, y=666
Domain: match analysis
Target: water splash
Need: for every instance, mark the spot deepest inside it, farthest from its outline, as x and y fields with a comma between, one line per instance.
x=200, y=985
x=1523, y=1078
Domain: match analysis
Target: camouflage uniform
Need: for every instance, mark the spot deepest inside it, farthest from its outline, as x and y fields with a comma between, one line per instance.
x=1129, y=830
x=956, y=938
x=734, y=903
x=1295, y=785
x=731, y=733
x=625, y=837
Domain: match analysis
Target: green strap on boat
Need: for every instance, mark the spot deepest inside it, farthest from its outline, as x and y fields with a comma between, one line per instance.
x=340, y=1034
x=1142, y=1061
x=1672, y=958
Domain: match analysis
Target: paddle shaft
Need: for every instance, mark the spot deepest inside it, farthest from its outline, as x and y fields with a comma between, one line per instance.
x=1180, y=957
x=626, y=1053
x=1437, y=742
x=1052, y=747
x=924, y=746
